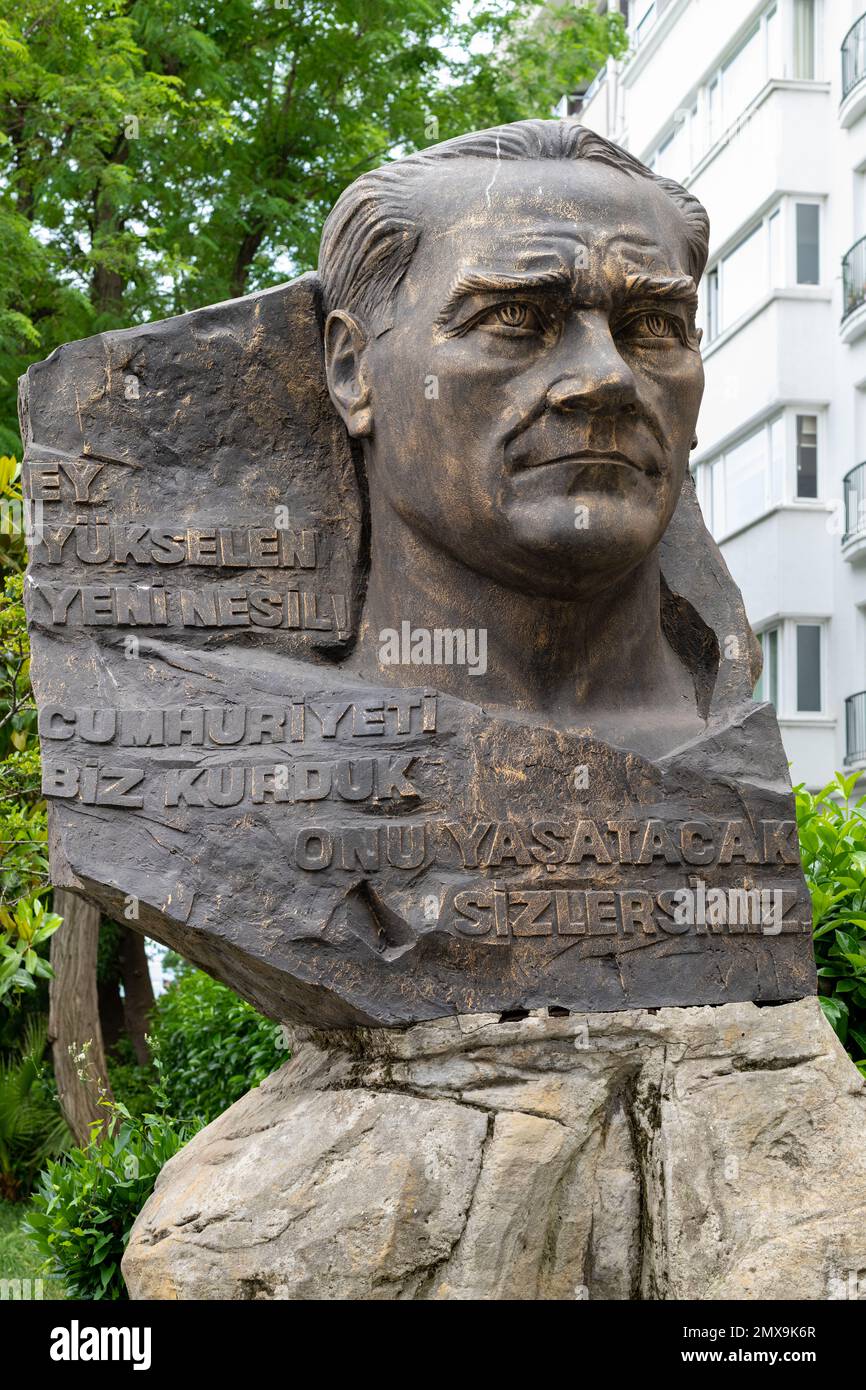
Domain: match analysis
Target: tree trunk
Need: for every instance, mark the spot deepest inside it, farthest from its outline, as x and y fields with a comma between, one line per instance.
x=107, y=284
x=110, y=1013
x=73, y=1016
x=138, y=997
x=245, y=256
x=108, y=287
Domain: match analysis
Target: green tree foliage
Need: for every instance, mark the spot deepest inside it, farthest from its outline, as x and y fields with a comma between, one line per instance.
x=833, y=846
x=213, y=1046
x=71, y=71
x=21, y=935
x=156, y=155
x=23, y=854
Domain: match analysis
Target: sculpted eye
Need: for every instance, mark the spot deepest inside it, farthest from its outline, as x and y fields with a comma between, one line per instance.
x=513, y=319
x=652, y=325
x=513, y=315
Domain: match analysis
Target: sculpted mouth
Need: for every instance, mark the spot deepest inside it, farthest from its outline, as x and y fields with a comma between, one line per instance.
x=601, y=456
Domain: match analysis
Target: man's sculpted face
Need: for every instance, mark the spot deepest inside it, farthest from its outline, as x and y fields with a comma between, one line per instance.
x=532, y=404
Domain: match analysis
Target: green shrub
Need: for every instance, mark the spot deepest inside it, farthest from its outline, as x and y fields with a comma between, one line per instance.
x=18, y=1257
x=32, y=1128
x=21, y=934
x=209, y=1047
x=131, y=1083
x=84, y=1208
x=213, y=1047
x=833, y=846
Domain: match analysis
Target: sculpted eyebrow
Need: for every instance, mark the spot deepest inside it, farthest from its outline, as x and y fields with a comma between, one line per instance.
x=472, y=282
x=673, y=288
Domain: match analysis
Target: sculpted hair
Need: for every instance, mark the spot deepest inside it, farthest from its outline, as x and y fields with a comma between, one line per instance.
x=370, y=235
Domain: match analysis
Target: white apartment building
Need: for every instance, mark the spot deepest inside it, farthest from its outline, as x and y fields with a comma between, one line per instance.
x=760, y=109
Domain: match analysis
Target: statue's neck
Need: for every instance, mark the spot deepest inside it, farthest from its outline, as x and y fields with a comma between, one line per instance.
x=573, y=659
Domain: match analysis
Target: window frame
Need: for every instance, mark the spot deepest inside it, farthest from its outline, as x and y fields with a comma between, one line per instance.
x=800, y=413
x=786, y=666
x=723, y=119
x=815, y=201
x=715, y=324
x=777, y=277
x=711, y=480
x=706, y=114
x=797, y=624
x=772, y=629
x=640, y=28
x=817, y=20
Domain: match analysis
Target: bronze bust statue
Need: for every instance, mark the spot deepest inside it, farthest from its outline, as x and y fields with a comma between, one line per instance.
x=386, y=667
x=547, y=284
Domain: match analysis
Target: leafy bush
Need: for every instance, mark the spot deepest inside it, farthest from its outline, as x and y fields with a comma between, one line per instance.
x=21, y=934
x=23, y=851
x=84, y=1208
x=32, y=1128
x=213, y=1046
x=209, y=1047
x=23, y=847
x=131, y=1083
x=833, y=846
x=18, y=1257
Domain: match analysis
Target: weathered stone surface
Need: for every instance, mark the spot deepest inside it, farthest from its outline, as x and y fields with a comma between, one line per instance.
x=706, y=1153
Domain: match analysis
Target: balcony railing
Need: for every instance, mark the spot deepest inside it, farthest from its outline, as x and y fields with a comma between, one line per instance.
x=854, y=278
x=854, y=484
x=854, y=56
x=855, y=728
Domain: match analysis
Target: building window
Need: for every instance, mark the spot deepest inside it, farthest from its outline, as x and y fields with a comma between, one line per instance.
x=644, y=19
x=807, y=456
x=669, y=160
x=808, y=668
x=804, y=38
x=746, y=480
x=768, y=684
x=777, y=250
x=711, y=304
x=679, y=151
x=792, y=677
x=808, y=244
x=731, y=89
x=694, y=136
x=777, y=460
x=714, y=113
x=764, y=259
x=744, y=73
x=743, y=76
x=776, y=463
x=742, y=483
x=726, y=95
x=743, y=276
x=775, y=62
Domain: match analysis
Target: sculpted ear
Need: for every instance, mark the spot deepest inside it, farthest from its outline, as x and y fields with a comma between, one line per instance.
x=345, y=347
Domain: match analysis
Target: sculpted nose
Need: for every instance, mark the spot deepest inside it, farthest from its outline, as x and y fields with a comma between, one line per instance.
x=602, y=382
x=601, y=391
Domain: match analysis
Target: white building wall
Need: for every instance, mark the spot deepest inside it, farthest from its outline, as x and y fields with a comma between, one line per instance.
x=766, y=139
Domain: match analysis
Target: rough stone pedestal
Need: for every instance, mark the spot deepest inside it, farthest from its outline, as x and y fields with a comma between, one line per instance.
x=711, y=1153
